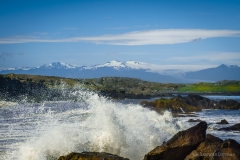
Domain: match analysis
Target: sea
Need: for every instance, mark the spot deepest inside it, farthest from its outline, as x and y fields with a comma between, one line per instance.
x=47, y=130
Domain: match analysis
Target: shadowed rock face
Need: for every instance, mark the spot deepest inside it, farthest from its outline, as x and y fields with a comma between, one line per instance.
x=91, y=156
x=216, y=149
x=205, y=103
x=229, y=104
x=194, y=120
x=180, y=145
x=235, y=127
x=200, y=102
x=177, y=104
x=206, y=148
x=190, y=103
x=224, y=121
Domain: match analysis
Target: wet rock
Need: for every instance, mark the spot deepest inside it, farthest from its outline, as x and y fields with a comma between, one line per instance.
x=91, y=156
x=229, y=104
x=205, y=103
x=191, y=115
x=224, y=121
x=206, y=148
x=235, y=127
x=190, y=103
x=216, y=149
x=180, y=145
x=200, y=102
x=194, y=120
x=177, y=104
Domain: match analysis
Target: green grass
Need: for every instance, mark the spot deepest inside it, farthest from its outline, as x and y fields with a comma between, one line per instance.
x=211, y=87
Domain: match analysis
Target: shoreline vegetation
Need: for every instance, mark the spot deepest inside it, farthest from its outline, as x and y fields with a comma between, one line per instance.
x=34, y=88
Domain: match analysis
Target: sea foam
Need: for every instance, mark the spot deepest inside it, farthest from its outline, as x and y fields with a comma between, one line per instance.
x=93, y=123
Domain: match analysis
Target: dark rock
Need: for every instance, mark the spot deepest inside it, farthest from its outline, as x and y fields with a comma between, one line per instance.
x=229, y=104
x=194, y=120
x=180, y=145
x=177, y=104
x=216, y=149
x=224, y=121
x=230, y=143
x=190, y=103
x=191, y=115
x=91, y=156
x=200, y=102
x=235, y=127
x=206, y=148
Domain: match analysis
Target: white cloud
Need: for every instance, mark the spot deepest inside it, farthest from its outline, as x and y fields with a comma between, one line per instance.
x=150, y=37
x=169, y=69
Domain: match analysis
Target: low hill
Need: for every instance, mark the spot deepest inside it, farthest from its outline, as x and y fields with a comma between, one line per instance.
x=37, y=88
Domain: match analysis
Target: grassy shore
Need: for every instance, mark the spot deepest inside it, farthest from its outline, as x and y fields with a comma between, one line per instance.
x=218, y=87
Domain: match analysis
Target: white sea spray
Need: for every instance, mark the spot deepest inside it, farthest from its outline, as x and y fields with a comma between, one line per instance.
x=94, y=123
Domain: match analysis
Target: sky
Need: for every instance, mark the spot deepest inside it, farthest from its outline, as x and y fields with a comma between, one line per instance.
x=190, y=34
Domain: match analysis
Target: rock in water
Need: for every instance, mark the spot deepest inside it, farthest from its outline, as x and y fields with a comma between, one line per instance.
x=177, y=104
x=91, y=156
x=224, y=121
x=235, y=127
x=215, y=149
x=200, y=102
x=229, y=104
x=194, y=120
x=180, y=145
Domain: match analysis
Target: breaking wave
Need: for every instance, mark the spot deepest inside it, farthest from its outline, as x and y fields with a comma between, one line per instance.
x=44, y=131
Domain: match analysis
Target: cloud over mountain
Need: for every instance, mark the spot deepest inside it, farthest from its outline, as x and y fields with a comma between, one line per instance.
x=149, y=37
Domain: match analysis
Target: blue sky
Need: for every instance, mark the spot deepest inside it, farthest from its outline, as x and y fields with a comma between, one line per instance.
x=87, y=32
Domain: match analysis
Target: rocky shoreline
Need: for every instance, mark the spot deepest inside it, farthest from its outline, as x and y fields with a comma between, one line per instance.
x=190, y=103
x=34, y=88
x=190, y=144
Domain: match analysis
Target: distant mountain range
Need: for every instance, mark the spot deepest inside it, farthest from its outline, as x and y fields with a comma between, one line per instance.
x=222, y=72
x=131, y=69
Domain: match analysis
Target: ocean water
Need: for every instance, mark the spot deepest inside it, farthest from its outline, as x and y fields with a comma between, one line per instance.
x=214, y=116
x=44, y=131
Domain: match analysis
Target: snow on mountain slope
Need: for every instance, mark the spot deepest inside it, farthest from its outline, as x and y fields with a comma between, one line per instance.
x=115, y=64
x=154, y=68
x=133, y=69
x=59, y=65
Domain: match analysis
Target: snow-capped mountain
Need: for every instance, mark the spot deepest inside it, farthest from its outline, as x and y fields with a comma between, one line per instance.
x=120, y=65
x=58, y=65
x=128, y=65
x=132, y=69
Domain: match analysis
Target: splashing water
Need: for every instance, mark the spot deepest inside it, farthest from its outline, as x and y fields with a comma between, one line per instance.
x=51, y=129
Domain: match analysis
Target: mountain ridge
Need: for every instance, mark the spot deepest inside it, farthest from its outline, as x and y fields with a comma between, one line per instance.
x=222, y=72
x=132, y=69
